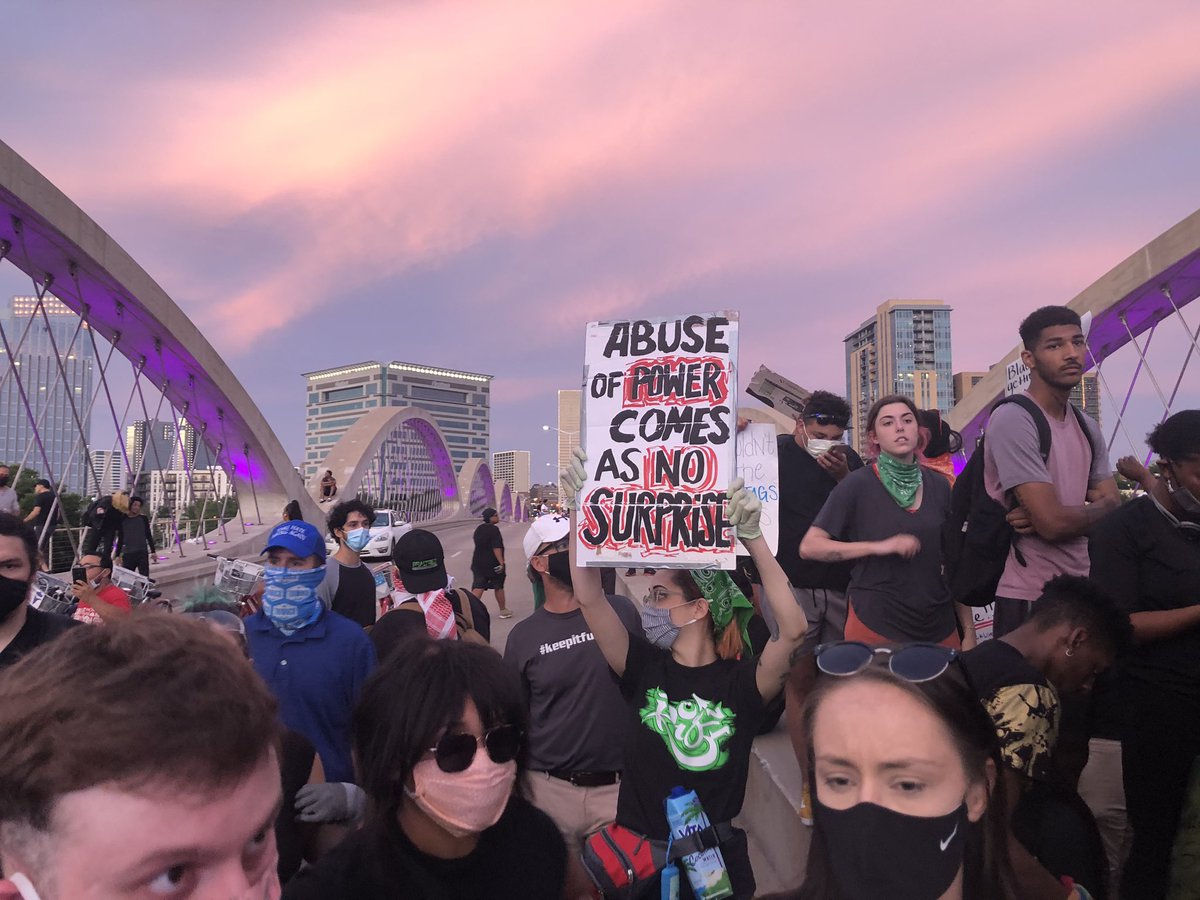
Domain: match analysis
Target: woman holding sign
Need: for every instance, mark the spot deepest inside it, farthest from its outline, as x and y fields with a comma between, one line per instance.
x=887, y=518
x=695, y=694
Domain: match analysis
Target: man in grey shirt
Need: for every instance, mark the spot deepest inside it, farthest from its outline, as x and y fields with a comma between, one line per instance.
x=8, y=497
x=576, y=712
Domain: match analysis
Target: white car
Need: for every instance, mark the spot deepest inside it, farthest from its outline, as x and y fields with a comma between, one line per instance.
x=385, y=531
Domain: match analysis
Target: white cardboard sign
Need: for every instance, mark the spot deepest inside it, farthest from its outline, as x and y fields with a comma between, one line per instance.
x=758, y=466
x=659, y=426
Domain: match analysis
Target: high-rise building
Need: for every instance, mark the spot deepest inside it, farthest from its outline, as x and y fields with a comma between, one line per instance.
x=460, y=403
x=569, y=419
x=41, y=338
x=154, y=444
x=904, y=349
x=169, y=491
x=109, y=466
x=512, y=466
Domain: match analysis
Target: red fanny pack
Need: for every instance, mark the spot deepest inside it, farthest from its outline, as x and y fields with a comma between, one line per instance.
x=621, y=862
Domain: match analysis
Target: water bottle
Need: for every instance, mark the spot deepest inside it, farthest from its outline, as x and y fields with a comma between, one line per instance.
x=706, y=868
x=668, y=883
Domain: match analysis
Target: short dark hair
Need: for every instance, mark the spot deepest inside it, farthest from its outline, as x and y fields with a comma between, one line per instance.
x=135, y=499
x=42, y=482
x=119, y=692
x=942, y=438
x=340, y=513
x=413, y=696
x=878, y=405
x=1080, y=602
x=1046, y=317
x=824, y=403
x=11, y=526
x=1177, y=438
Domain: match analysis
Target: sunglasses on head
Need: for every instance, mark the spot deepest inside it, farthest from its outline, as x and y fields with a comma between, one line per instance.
x=913, y=662
x=455, y=752
x=823, y=419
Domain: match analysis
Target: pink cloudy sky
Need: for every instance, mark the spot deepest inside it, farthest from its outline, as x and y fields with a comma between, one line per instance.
x=466, y=184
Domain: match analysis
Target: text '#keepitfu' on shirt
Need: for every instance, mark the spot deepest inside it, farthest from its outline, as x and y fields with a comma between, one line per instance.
x=567, y=643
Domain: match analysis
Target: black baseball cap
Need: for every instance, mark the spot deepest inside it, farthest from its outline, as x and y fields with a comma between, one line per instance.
x=421, y=560
x=488, y=513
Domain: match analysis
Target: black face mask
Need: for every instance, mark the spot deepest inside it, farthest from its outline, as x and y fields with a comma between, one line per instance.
x=559, y=567
x=875, y=852
x=12, y=594
x=3, y=481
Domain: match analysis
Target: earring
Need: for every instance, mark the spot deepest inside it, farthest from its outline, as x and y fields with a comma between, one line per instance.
x=1070, y=652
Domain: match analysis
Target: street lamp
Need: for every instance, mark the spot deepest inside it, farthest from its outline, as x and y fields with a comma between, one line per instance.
x=560, y=431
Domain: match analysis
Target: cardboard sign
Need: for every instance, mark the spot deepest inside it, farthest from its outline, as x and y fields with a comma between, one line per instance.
x=983, y=616
x=1016, y=378
x=659, y=425
x=758, y=466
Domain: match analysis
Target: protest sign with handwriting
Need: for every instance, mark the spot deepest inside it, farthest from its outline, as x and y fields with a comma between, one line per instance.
x=659, y=427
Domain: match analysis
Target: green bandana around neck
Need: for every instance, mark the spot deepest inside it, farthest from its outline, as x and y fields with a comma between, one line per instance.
x=725, y=601
x=901, y=479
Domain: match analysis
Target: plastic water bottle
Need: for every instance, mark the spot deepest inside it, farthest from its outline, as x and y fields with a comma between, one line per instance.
x=668, y=883
x=705, y=869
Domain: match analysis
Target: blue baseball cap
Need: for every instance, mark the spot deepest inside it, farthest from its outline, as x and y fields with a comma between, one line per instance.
x=298, y=537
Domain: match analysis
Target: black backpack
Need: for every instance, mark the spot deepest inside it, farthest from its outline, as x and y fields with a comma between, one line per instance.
x=976, y=536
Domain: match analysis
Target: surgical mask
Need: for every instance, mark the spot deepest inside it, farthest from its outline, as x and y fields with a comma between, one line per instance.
x=877, y=852
x=358, y=538
x=657, y=624
x=290, y=598
x=1186, y=499
x=465, y=802
x=13, y=592
x=816, y=446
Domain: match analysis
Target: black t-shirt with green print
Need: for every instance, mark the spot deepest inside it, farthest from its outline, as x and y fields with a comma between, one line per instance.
x=689, y=726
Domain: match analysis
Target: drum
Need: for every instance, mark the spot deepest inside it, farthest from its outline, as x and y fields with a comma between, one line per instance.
x=135, y=584
x=51, y=595
x=237, y=577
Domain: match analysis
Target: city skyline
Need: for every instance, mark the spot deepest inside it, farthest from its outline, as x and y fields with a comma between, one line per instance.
x=599, y=180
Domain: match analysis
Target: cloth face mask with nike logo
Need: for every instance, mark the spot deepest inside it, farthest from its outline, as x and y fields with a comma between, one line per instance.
x=876, y=852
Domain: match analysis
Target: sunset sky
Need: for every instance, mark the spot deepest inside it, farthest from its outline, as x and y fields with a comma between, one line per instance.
x=467, y=184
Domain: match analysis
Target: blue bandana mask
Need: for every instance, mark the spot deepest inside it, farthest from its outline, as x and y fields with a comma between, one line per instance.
x=290, y=598
x=358, y=538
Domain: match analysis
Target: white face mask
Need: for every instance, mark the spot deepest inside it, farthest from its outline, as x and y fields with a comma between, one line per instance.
x=816, y=446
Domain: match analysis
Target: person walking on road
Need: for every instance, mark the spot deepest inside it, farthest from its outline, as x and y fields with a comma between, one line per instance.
x=44, y=518
x=487, y=563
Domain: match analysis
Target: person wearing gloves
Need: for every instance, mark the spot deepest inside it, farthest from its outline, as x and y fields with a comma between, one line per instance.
x=314, y=660
x=694, y=658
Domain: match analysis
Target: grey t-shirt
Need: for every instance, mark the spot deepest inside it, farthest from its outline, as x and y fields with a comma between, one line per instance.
x=1011, y=458
x=901, y=599
x=9, y=502
x=576, y=713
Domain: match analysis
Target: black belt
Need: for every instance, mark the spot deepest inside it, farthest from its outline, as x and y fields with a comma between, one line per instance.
x=585, y=779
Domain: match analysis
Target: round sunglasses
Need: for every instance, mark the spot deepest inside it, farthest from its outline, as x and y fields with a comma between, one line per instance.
x=914, y=663
x=455, y=752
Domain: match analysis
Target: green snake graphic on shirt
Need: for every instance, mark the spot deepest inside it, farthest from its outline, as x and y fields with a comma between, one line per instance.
x=695, y=731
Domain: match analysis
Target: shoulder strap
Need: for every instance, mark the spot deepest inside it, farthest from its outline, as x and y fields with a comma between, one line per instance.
x=1082, y=418
x=464, y=607
x=1030, y=406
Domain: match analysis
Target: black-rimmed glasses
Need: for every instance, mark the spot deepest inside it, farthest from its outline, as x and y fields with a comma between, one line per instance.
x=914, y=663
x=455, y=752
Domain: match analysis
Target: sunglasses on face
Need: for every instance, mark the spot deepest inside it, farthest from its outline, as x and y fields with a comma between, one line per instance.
x=913, y=662
x=456, y=752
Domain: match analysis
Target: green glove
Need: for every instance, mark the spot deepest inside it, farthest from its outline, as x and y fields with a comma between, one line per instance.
x=744, y=511
x=573, y=477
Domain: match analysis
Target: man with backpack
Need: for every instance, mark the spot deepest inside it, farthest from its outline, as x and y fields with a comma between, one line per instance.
x=1054, y=498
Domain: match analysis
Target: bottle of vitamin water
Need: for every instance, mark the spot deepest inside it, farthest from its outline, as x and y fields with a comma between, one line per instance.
x=705, y=869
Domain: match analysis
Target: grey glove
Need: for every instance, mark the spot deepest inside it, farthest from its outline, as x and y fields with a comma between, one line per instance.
x=744, y=511
x=330, y=802
x=573, y=478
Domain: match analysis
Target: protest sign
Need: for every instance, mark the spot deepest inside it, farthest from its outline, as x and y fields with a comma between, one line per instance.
x=659, y=427
x=758, y=466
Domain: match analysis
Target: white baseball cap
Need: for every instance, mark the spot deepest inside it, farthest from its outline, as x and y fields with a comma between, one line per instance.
x=545, y=530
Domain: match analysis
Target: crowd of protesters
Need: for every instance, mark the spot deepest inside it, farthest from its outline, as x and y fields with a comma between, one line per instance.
x=324, y=744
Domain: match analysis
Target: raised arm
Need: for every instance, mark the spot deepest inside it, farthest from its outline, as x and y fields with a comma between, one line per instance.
x=603, y=621
x=775, y=661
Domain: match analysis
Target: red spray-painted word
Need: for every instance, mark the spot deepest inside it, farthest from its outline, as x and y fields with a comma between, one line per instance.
x=671, y=381
x=633, y=518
